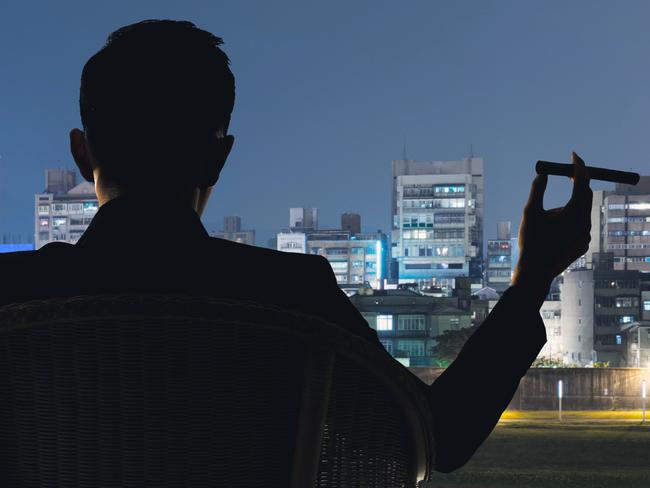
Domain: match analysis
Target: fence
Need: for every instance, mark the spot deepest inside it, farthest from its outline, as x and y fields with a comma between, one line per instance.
x=583, y=388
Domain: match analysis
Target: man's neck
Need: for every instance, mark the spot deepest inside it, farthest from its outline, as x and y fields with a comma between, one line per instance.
x=181, y=199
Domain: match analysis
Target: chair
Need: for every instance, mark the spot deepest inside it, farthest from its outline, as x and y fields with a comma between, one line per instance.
x=175, y=391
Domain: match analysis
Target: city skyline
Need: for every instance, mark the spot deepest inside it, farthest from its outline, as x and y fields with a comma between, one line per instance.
x=352, y=90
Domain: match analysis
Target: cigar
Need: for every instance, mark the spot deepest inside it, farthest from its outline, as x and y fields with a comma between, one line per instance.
x=563, y=169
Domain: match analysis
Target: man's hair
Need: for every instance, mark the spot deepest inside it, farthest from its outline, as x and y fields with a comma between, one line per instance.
x=152, y=98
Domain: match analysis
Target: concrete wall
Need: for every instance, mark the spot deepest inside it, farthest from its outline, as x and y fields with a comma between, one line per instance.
x=584, y=388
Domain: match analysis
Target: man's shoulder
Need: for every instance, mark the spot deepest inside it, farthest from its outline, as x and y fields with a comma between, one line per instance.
x=28, y=274
x=51, y=251
x=270, y=257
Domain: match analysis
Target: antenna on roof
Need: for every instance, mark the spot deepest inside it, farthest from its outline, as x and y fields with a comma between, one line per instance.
x=471, y=151
x=404, y=156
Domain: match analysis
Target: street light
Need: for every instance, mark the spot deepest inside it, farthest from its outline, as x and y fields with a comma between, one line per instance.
x=559, y=397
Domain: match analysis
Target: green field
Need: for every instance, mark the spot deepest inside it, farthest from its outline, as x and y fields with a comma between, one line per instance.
x=533, y=449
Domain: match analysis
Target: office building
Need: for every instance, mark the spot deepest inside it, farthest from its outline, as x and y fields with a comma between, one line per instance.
x=232, y=231
x=616, y=307
x=437, y=221
x=498, y=272
x=356, y=258
x=64, y=210
x=626, y=225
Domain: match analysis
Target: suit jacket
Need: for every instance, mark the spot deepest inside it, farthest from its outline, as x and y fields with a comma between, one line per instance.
x=136, y=245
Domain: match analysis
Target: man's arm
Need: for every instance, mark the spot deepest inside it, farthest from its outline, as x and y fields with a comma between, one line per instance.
x=470, y=396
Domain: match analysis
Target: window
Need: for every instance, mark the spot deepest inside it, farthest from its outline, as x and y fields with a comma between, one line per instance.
x=411, y=348
x=449, y=218
x=442, y=189
x=43, y=210
x=619, y=340
x=90, y=207
x=626, y=319
x=75, y=208
x=411, y=322
x=43, y=223
x=384, y=322
x=627, y=302
x=646, y=305
x=59, y=221
x=388, y=345
x=454, y=323
x=59, y=207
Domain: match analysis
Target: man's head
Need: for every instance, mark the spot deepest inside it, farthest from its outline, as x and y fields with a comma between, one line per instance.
x=155, y=105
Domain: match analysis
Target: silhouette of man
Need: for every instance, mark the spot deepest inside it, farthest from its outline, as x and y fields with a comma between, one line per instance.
x=155, y=105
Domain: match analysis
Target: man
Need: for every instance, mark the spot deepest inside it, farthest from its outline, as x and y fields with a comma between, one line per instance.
x=155, y=105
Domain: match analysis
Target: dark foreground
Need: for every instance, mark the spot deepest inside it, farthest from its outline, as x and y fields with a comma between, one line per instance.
x=542, y=453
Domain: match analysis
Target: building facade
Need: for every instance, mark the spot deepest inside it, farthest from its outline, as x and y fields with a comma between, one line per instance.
x=578, y=315
x=626, y=225
x=499, y=265
x=407, y=322
x=355, y=258
x=437, y=221
x=64, y=210
x=617, y=296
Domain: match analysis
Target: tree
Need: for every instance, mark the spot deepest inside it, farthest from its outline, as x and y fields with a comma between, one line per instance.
x=450, y=342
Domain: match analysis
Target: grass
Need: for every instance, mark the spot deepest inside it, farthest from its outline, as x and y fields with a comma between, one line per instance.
x=603, y=449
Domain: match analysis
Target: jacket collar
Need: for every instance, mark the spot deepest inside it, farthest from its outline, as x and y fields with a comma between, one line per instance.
x=128, y=220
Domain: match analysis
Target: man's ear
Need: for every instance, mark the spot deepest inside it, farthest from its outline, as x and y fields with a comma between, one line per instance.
x=214, y=160
x=80, y=153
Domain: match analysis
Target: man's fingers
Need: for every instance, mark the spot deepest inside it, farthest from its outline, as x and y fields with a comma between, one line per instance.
x=581, y=191
x=536, y=197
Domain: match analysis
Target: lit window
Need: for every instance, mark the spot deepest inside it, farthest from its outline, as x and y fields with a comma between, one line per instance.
x=619, y=340
x=90, y=207
x=384, y=322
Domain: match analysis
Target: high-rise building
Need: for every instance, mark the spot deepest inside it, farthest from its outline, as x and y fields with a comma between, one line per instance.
x=437, y=221
x=499, y=267
x=64, y=210
x=232, y=231
x=303, y=219
x=617, y=296
x=626, y=225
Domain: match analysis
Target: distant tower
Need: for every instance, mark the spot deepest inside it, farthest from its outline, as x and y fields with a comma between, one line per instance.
x=59, y=181
x=303, y=219
x=232, y=223
x=351, y=222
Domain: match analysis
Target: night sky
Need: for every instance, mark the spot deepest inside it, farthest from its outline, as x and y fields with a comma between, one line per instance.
x=327, y=93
